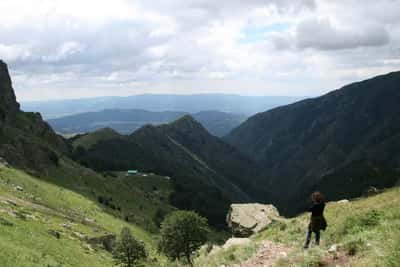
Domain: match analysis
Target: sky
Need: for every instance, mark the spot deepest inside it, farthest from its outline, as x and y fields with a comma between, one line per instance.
x=60, y=49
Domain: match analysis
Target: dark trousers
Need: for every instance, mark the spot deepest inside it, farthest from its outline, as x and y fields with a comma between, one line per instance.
x=308, y=238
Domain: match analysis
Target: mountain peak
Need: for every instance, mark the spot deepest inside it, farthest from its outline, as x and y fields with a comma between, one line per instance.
x=8, y=102
x=186, y=122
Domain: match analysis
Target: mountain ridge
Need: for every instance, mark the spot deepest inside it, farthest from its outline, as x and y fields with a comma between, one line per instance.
x=313, y=142
x=126, y=121
x=247, y=105
x=207, y=174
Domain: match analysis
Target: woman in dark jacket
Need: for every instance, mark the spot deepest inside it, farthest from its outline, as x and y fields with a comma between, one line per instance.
x=317, y=221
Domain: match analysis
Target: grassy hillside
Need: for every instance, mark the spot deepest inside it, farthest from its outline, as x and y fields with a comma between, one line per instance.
x=32, y=211
x=88, y=140
x=133, y=198
x=366, y=232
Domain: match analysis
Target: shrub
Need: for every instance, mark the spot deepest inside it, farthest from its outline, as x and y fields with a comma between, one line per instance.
x=159, y=216
x=182, y=233
x=128, y=251
x=354, y=246
x=361, y=222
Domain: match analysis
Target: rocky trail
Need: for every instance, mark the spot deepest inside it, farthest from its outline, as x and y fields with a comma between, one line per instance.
x=268, y=254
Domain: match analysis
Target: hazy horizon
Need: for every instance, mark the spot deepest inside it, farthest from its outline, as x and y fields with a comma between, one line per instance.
x=165, y=94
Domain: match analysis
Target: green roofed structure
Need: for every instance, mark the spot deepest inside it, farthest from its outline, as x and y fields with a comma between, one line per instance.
x=132, y=172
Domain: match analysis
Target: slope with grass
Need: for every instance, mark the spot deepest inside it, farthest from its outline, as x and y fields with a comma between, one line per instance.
x=42, y=224
x=28, y=143
x=365, y=231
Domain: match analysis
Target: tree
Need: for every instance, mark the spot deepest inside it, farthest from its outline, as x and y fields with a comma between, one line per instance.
x=129, y=251
x=159, y=216
x=182, y=233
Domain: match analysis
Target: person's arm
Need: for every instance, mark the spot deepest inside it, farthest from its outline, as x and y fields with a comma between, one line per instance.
x=311, y=208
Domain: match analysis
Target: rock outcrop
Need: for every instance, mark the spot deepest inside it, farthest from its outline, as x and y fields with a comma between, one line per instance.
x=247, y=219
x=235, y=241
x=8, y=102
x=26, y=141
x=107, y=241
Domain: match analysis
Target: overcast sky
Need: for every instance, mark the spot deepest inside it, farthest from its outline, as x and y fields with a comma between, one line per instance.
x=82, y=48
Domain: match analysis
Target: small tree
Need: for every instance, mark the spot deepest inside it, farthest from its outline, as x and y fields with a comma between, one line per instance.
x=128, y=251
x=182, y=233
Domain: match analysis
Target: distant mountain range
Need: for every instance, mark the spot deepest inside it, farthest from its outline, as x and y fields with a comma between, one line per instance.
x=127, y=121
x=247, y=105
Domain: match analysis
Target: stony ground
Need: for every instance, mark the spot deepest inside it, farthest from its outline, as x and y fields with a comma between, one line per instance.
x=267, y=255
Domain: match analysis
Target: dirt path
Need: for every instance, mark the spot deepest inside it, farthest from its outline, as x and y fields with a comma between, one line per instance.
x=268, y=254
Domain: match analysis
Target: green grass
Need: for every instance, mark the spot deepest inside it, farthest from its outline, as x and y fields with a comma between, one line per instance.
x=43, y=206
x=367, y=232
x=226, y=257
x=88, y=140
x=133, y=198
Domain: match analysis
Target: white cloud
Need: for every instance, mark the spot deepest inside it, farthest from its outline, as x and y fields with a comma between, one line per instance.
x=321, y=34
x=14, y=52
x=73, y=48
x=64, y=51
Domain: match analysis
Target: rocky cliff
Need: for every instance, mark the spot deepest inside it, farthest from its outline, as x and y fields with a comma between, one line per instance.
x=8, y=102
x=26, y=141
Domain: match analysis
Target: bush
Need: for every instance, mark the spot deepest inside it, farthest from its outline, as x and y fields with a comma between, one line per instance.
x=361, y=222
x=182, y=233
x=354, y=246
x=159, y=216
x=128, y=251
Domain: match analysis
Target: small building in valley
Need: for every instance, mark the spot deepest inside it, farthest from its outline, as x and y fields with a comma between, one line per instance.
x=132, y=172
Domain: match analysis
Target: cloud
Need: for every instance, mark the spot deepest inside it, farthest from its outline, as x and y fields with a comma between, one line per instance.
x=74, y=48
x=65, y=51
x=321, y=34
x=14, y=52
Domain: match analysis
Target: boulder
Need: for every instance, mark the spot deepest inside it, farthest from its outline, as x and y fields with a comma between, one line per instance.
x=107, y=241
x=247, y=219
x=333, y=249
x=343, y=201
x=3, y=163
x=235, y=241
x=372, y=191
x=19, y=188
x=54, y=233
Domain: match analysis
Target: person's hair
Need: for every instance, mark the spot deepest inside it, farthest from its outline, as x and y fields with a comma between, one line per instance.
x=317, y=197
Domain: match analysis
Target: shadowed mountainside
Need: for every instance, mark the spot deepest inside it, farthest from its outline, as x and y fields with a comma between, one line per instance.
x=340, y=143
x=207, y=173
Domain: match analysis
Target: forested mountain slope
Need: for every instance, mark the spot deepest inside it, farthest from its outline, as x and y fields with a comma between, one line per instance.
x=207, y=173
x=341, y=143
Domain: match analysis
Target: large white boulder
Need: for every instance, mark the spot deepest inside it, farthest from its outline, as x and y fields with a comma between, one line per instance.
x=247, y=219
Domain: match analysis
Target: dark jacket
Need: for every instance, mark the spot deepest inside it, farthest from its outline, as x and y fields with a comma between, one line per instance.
x=317, y=221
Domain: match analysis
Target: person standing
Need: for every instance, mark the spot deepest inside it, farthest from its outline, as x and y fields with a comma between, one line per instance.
x=317, y=220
